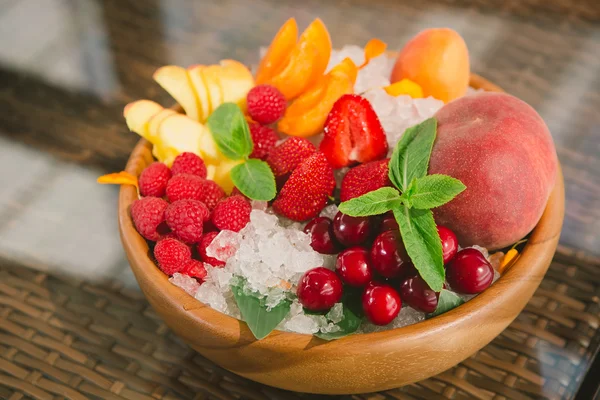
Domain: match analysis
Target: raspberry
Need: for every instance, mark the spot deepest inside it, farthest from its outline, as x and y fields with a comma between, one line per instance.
x=264, y=140
x=195, y=269
x=285, y=157
x=186, y=219
x=148, y=213
x=236, y=192
x=364, y=179
x=188, y=163
x=233, y=213
x=266, y=104
x=153, y=179
x=204, y=243
x=184, y=186
x=171, y=255
x=210, y=193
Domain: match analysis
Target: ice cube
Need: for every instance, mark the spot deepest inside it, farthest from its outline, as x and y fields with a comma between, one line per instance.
x=224, y=245
x=336, y=314
x=329, y=211
x=187, y=283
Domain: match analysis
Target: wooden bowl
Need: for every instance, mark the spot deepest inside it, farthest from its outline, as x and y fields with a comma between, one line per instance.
x=358, y=363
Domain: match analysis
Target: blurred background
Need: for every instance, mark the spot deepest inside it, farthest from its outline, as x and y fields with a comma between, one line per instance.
x=67, y=68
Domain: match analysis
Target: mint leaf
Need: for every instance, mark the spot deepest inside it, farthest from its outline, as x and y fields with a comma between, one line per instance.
x=373, y=203
x=254, y=179
x=423, y=245
x=230, y=131
x=254, y=311
x=411, y=155
x=446, y=302
x=435, y=190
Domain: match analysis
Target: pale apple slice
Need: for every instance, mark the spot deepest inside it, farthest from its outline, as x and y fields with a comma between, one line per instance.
x=223, y=174
x=236, y=81
x=208, y=149
x=199, y=86
x=155, y=123
x=177, y=82
x=213, y=85
x=210, y=171
x=181, y=133
x=164, y=154
x=138, y=114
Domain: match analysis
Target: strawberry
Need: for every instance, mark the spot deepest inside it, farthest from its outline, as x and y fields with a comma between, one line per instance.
x=353, y=133
x=284, y=158
x=306, y=191
x=364, y=179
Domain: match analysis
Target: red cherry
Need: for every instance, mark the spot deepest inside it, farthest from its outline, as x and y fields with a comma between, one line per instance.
x=388, y=223
x=354, y=267
x=319, y=289
x=321, y=236
x=388, y=255
x=469, y=272
x=449, y=243
x=352, y=231
x=417, y=294
x=381, y=303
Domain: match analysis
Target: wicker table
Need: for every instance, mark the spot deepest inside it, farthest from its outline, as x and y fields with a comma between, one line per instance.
x=72, y=323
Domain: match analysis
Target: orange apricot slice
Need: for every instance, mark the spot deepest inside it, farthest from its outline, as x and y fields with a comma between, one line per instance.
x=405, y=86
x=374, y=48
x=278, y=52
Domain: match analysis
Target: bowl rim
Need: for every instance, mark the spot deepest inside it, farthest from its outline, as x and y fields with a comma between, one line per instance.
x=525, y=275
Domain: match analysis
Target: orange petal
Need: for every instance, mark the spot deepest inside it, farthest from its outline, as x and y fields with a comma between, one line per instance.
x=278, y=52
x=406, y=87
x=373, y=48
x=509, y=259
x=118, y=178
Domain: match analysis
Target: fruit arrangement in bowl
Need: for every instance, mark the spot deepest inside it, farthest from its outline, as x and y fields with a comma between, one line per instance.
x=333, y=199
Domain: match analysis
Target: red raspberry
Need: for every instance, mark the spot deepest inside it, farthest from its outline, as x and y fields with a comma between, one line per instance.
x=186, y=219
x=171, y=255
x=204, y=243
x=184, y=186
x=264, y=140
x=195, y=269
x=236, y=192
x=153, y=179
x=188, y=163
x=148, y=213
x=210, y=193
x=266, y=104
x=233, y=213
x=284, y=158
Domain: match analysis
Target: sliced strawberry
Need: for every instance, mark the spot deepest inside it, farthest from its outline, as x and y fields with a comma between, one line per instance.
x=353, y=133
x=305, y=193
x=364, y=179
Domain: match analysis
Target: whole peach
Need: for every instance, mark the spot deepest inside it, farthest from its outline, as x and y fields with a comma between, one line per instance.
x=501, y=149
x=436, y=59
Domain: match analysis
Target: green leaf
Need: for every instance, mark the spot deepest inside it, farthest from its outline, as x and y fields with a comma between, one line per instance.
x=435, y=190
x=352, y=312
x=446, y=302
x=373, y=203
x=423, y=245
x=411, y=155
x=254, y=179
x=254, y=312
x=230, y=131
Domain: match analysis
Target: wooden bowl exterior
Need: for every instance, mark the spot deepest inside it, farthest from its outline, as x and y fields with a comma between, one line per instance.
x=358, y=363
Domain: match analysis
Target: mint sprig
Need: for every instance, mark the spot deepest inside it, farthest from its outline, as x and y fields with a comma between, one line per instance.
x=231, y=133
x=411, y=202
x=446, y=302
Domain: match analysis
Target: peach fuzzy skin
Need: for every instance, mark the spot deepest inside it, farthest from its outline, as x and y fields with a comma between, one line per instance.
x=502, y=150
x=438, y=61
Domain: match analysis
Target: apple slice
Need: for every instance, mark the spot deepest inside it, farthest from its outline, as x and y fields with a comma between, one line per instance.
x=236, y=81
x=154, y=125
x=200, y=87
x=208, y=149
x=181, y=133
x=223, y=174
x=176, y=81
x=138, y=114
x=213, y=85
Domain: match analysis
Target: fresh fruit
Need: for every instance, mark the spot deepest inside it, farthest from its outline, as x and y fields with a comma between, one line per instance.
x=184, y=186
x=388, y=223
x=232, y=213
x=188, y=163
x=264, y=140
x=204, y=243
x=236, y=80
x=200, y=86
x=186, y=219
x=404, y=87
x=381, y=303
x=285, y=157
x=353, y=133
x=438, y=61
x=222, y=174
x=138, y=114
x=176, y=81
x=365, y=178
x=449, y=243
x=319, y=289
x=195, y=269
x=469, y=272
x=501, y=149
x=352, y=231
x=210, y=74
x=415, y=293
x=171, y=255
x=321, y=236
x=307, y=190
x=265, y=104
x=278, y=52
x=210, y=193
x=388, y=255
x=153, y=180
x=354, y=266
x=148, y=213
